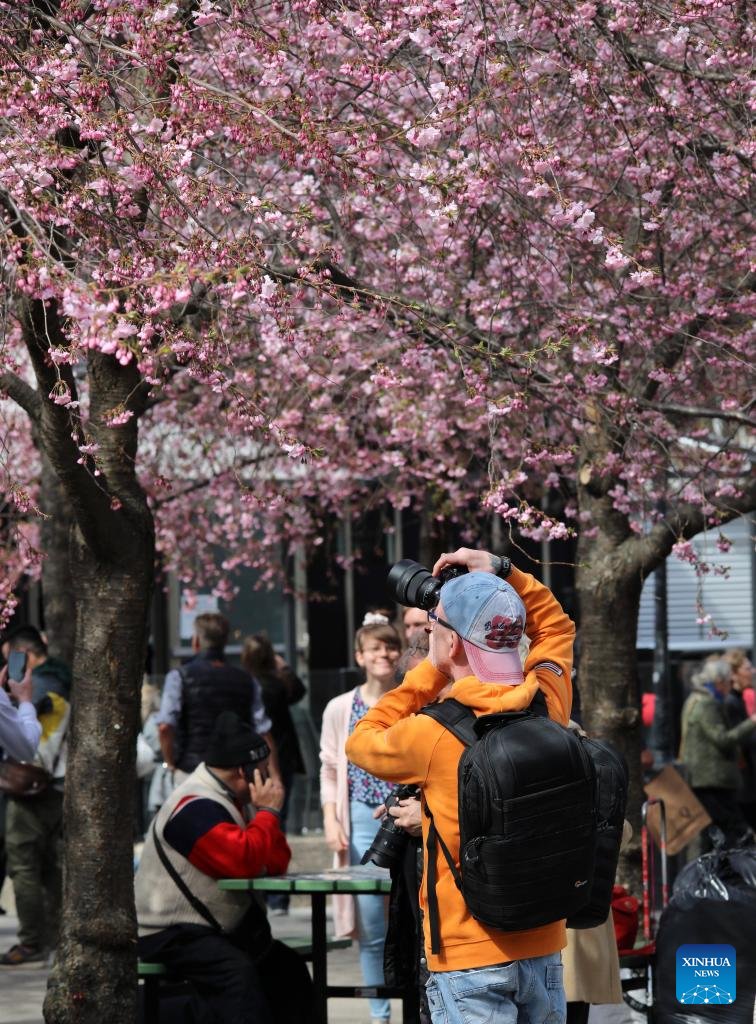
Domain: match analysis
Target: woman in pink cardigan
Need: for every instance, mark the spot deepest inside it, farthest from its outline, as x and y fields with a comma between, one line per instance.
x=350, y=796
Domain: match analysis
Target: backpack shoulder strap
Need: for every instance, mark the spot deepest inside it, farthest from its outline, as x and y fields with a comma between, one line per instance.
x=538, y=705
x=460, y=721
x=434, y=838
x=456, y=717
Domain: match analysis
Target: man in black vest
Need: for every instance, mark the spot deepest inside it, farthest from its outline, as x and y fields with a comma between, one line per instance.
x=195, y=694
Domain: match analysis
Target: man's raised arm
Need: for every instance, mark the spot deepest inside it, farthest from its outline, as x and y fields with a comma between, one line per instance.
x=384, y=741
x=550, y=630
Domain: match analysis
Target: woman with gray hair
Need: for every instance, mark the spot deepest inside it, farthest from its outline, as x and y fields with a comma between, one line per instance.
x=710, y=748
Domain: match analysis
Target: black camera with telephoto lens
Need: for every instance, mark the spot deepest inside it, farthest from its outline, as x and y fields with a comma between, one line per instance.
x=387, y=849
x=411, y=584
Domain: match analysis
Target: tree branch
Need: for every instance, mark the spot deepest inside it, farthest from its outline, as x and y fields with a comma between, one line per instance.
x=647, y=57
x=22, y=394
x=427, y=323
x=41, y=327
x=204, y=482
x=673, y=347
x=685, y=522
x=699, y=412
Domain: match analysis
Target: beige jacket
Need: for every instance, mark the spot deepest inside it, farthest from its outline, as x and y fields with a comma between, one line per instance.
x=334, y=788
x=591, y=965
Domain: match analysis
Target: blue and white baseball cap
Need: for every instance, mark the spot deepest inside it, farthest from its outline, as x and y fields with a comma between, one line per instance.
x=489, y=616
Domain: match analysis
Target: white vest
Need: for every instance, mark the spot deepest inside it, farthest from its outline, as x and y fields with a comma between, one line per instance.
x=159, y=901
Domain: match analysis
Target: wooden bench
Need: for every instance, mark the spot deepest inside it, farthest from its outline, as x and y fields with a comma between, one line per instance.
x=154, y=975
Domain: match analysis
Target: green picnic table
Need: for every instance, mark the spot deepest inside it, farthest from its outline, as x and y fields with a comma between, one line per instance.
x=358, y=879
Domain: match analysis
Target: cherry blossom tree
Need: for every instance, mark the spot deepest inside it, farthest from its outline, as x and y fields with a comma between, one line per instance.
x=268, y=264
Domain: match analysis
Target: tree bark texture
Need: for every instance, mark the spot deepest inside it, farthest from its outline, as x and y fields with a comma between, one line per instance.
x=112, y=568
x=95, y=973
x=609, y=581
x=58, y=590
x=607, y=675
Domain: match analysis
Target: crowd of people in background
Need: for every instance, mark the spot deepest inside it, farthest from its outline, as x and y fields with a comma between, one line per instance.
x=718, y=745
x=179, y=719
x=177, y=722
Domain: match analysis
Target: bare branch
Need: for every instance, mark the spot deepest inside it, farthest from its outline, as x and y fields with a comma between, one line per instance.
x=686, y=521
x=22, y=394
x=652, y=57
x=699, y=412
x=205, y=481
x=41, y=327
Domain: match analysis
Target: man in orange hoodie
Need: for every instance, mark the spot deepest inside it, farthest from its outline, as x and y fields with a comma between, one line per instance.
x=480, y=973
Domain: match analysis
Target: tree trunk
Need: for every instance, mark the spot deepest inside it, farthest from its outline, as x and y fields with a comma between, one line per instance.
x=95, y=973
x=608, y=680
x=112, y=565
x=58, y=590
x=609, y=580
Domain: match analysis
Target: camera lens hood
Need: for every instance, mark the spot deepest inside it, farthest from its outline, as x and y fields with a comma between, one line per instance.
x=412, y=585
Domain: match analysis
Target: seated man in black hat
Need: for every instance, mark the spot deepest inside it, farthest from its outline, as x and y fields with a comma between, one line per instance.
x=221, y=941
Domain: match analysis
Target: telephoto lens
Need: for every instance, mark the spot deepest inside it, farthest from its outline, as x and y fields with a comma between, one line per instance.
x=388, y=847
x=412, y=585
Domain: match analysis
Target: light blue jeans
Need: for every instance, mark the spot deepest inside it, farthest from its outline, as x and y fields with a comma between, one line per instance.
x=371, y=913
x=523, y=992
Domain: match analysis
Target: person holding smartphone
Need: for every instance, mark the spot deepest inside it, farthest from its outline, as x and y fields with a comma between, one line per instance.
x=34, y=824
x=20, y=729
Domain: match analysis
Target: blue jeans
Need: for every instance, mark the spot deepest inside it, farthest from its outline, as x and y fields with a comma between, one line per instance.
x=371, y=914
x=523, y=992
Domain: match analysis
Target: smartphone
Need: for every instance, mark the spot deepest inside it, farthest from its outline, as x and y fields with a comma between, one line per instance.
x=249, y=772
x=16, y=665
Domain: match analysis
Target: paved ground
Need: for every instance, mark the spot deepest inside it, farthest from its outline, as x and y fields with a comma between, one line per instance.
x=22, y=990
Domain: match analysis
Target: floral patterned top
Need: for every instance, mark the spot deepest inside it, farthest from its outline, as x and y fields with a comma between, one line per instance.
x=363, y=787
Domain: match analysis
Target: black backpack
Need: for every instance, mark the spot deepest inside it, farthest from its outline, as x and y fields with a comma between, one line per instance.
x=529, y=796
x=610, y=802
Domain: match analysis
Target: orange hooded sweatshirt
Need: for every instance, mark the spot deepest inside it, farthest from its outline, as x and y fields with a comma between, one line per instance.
x=394, y=743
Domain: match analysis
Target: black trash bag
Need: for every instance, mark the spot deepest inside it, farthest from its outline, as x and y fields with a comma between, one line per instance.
x=719, y=875
x=713, y=901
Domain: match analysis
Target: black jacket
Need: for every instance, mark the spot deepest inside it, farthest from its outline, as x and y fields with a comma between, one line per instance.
x=277, y=697
x=209, y=686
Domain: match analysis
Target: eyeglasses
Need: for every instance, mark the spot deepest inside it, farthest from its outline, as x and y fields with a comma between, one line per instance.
x=432, y=617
